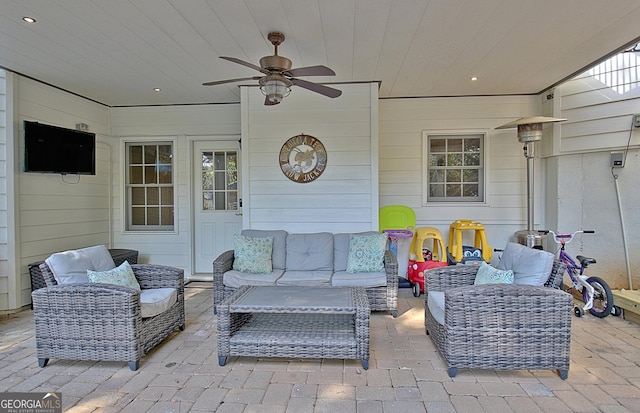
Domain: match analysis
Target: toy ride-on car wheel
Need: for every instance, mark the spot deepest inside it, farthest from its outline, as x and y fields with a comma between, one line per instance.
x=415, y=287
x=578, y=311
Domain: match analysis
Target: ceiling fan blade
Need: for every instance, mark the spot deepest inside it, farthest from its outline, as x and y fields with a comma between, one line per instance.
x=311, y=71
x=243, y=63
x=318, y=88
x=221, y=82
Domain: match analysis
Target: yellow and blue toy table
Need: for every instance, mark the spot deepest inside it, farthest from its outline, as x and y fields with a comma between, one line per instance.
x=480, y=239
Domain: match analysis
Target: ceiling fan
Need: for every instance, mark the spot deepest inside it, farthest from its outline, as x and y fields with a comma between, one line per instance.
x=279, y=77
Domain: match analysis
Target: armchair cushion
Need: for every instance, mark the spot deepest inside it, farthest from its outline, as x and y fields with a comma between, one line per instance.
x=435, y=304
x=156, y=301
x=530, y=266
x=71, y=266
x=489, y=275
x=253, y=254
x=121, y=275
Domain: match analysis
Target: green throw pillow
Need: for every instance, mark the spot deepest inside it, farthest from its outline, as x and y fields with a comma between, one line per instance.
x=122, y=275
x=366, y=253
x=489, y=275
x=252, y=254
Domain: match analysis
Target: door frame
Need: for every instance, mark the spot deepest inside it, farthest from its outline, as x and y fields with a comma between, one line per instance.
x=193, y=139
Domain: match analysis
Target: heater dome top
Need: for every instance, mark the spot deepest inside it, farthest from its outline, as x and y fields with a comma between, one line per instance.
x=528, y=121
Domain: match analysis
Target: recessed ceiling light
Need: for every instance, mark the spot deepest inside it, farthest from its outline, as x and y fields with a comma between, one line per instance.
x=156, y=89
x=29, y=19
x=474, y=78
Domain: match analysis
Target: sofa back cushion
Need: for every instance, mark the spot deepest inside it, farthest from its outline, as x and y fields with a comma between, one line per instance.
x=310, y=252
x=279, y=248
x=71, y=266
x=341, y=249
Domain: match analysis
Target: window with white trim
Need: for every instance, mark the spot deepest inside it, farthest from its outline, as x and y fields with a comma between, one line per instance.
x=454, y=166
x=149, y=186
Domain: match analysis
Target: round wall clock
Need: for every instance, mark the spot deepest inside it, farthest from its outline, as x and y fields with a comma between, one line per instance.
x=303, y=158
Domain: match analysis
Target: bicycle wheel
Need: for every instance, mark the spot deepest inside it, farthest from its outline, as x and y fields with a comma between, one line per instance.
x=602, y=298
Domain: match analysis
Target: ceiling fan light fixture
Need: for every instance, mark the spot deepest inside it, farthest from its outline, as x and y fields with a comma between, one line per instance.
x=275, y=87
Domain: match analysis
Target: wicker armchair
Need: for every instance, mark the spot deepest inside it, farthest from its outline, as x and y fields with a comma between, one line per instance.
x=500, y=326
x=90, y=321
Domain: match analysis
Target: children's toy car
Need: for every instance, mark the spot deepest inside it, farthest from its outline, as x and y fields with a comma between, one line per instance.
x=415, y=272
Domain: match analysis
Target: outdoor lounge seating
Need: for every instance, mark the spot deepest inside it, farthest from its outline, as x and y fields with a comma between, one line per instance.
x=498, y=326
x=309, y=260
x=104, y=321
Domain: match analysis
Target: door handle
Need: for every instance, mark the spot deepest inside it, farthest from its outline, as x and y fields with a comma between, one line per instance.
x=238, y=214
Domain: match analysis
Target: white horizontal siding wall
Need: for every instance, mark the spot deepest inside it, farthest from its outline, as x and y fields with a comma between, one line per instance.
x=345, y=197
x=180, y=125
x=7, y=277
x=599, y=121
x=57, y=213
x=402, y=122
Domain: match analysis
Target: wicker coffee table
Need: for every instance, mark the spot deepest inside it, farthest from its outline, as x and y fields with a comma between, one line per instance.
x=295, y=322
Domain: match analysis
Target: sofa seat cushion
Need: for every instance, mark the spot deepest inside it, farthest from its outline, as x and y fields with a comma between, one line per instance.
x=71, y=266
x=306, y=278
x=236, y=279
x=361, y=279
x=156, y=301
x=435, y=303
x=310, y=252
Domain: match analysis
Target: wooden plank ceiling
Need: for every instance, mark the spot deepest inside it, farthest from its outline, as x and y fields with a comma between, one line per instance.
x=117, y=52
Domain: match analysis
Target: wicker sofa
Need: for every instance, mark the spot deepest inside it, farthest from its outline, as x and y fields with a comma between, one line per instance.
x=499, y=326
x=91, y=321
x=317, y=259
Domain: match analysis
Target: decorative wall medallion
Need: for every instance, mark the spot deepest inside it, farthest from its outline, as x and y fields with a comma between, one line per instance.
x=303, y=158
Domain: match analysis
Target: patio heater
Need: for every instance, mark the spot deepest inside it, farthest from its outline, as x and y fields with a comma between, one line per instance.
x=529, y=132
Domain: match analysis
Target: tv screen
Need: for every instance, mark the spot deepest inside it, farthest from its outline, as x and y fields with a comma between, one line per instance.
x=52, y=149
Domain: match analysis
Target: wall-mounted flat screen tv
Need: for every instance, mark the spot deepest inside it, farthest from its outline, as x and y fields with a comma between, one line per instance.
x=52, y=149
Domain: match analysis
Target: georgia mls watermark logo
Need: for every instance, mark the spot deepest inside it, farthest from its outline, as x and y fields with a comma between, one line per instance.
x=30, y=402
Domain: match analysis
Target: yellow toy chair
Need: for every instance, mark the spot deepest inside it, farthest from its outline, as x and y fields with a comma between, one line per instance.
x=438, y=250
x=480, y=239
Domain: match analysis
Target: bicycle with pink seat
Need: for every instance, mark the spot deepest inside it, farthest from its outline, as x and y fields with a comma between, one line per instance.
x=597, y=296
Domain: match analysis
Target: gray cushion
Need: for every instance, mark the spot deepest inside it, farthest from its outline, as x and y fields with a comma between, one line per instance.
x=360, y=279
x=435, y=303
x=306, y=278
x=341, y=249
x=71, y=266
x=310, y=252
x=530, y=266
x=236, y=279
x=156, y=301
x=279, y=254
